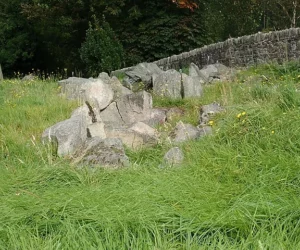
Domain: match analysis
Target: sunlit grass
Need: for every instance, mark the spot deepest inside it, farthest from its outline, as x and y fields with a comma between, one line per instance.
x=237, y=189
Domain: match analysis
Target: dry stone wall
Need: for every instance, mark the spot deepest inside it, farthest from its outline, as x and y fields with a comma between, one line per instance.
x=276, y=46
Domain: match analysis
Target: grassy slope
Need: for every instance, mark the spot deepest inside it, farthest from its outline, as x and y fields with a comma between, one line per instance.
x=237, y=189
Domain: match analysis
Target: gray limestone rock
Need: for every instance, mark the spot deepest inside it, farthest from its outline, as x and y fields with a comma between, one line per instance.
x=67, y=136
x=192, y=86
x=135, y=107
x=71, y=87
x=194, y=71
x=97, y=152
x=96, y=129
x=136, y=136
x=98, y=94
x=111, y=115
x=173, y=157
x=143, y=73
x=104, y=77
x=157, y=117
x=184, y=132
x=168, y=84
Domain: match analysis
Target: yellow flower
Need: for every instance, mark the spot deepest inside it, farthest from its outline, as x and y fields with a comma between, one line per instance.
x=272, y=132
x=244, y=113
x=210, y=123
x=239, y=115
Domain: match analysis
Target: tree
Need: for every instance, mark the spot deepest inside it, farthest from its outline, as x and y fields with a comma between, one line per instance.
x=17, y=47
x=101, y=50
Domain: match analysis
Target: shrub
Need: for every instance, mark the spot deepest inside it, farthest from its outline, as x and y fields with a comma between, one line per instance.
x=101, y=50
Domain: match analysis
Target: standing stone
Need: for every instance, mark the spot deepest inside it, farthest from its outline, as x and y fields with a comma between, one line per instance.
x=168, y=84
x=192, y=86
x=194, y=71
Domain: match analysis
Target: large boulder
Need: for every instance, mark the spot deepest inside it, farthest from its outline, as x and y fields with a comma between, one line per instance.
x=143, y=72
x=168, y=84
x=136, y=136
x=94, y=91
x=97, y=152
x=135, y=107
x=90, y=113
x=67, y=136
x=128, y=109
x=111, y=115
x=118, y=89
x=96, y=129
x=71, y=87
x=98, y=94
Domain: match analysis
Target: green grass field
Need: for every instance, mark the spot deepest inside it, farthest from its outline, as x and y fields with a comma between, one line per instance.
x=237, y=189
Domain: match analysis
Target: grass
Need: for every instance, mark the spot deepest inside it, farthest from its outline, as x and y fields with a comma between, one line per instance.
x=237, y=189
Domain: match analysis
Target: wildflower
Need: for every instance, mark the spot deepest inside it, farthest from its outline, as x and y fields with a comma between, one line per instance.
x=210, y=123
x=244, y=113
x=239, y=115
x=272, y=132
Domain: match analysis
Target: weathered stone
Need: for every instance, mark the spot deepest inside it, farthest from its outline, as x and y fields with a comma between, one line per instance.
x=118, y=88
x=157, y=117
x=184, y=132
x=173, y=157
x=98, y=94
x=210, y=71
x=149, y=134
x=207, y=111
x=192, y=86
x=194, y=71
x=137, y=136
x=111, y=115
x=135, y=107
x=143, y=73
x=104, y=77
x=67, y=135
x=91, y=114
x=98, y=152
x=29, y=77
x=168, y=84
x=96, y=129
x=71, y=87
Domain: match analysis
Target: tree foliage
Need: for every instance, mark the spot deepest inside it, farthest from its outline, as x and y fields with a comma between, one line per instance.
x=101, y=50
x=48, y=34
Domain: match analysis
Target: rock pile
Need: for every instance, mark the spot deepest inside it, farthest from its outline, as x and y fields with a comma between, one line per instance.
x=112, y=115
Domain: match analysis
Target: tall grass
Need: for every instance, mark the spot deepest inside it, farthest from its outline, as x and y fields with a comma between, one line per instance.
x=237, y=189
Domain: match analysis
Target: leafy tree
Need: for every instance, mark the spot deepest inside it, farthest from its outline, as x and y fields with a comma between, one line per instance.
x=17, y=47
x=101, y=50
